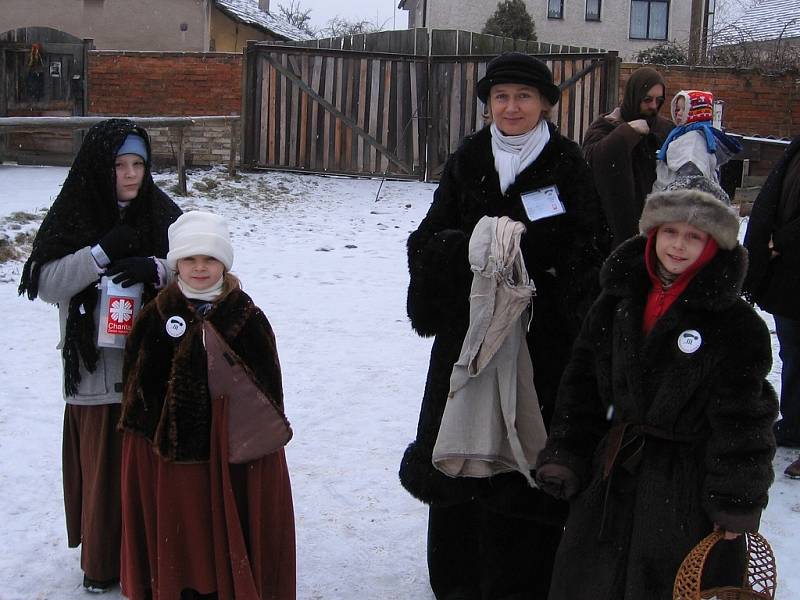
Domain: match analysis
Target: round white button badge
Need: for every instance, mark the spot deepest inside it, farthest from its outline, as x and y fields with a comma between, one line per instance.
x=690, y=341
x=176, y=326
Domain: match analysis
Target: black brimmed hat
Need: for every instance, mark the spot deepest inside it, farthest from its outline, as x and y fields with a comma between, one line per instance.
x=516, y=67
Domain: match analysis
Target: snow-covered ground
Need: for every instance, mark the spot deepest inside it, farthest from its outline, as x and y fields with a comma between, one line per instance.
x=326, y=262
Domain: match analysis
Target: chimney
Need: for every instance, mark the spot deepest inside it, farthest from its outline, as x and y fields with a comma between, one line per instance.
x=263, y=5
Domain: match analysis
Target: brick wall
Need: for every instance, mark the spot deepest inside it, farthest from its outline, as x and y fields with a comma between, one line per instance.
x=170, y=84
x=196, y=84
x=755, y=103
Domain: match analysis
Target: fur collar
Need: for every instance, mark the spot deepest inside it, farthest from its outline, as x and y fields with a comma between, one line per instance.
x=228, y=314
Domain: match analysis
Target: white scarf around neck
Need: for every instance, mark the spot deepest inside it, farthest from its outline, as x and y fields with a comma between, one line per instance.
x=513, y=153
x=208, y=295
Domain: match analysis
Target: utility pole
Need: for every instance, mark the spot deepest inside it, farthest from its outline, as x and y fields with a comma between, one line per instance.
x=697, y=33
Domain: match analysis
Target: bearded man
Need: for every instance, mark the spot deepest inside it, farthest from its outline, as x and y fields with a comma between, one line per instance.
x=621, y=149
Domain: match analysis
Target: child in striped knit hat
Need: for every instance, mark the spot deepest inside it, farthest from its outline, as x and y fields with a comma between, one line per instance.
x=694, y=147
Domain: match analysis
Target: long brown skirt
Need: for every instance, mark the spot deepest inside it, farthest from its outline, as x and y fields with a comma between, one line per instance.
x=208, y=527
x=90, y=465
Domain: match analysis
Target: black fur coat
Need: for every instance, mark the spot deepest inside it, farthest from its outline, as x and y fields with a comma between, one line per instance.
x=774, y=281
x=561, y=257
x=704, y=446
x=166, y=396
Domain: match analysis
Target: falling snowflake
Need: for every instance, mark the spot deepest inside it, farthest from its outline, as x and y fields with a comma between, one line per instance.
x=121, y=310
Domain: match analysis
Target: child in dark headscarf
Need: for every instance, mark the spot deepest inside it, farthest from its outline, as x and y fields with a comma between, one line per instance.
x=109, y=218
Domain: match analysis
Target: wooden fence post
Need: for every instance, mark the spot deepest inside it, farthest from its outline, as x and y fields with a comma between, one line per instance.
x=232, y=157
x=181, y=162
x=612, y=81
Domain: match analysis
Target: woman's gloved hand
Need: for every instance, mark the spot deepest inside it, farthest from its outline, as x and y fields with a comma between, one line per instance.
x=120, y=242
x=133, y=270
x=557, y=480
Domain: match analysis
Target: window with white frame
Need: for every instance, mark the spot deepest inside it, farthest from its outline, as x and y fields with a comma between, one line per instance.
x=555, y=9
x=593, y=10
x=649, y=19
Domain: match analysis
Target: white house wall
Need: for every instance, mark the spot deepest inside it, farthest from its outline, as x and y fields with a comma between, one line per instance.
x=116, y=24
x=469, y=15
x=610, y=33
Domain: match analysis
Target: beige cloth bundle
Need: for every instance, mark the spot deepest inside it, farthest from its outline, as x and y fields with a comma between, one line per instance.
x=492, y=422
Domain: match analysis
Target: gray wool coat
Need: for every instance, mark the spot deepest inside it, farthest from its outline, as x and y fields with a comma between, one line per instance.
x=59, y=281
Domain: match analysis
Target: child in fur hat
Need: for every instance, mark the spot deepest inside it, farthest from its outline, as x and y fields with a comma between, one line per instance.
x=663, y=426
x=192, y=522
x=694, y=147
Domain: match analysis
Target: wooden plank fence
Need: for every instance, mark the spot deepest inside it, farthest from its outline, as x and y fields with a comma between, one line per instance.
x=328, y=111
x=365, y=112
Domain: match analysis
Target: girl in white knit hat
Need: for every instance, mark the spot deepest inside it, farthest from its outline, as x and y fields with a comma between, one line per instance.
x=194, y=523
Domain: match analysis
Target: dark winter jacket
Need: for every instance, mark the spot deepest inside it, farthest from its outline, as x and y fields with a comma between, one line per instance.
x=775, y=282
x=694, y=429
x=166, y=396
x=562, y=259
x=623, y=164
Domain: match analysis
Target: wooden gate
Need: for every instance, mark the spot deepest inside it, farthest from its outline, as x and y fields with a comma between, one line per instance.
x=334, y=111
x=340, y=108
x=42, y=73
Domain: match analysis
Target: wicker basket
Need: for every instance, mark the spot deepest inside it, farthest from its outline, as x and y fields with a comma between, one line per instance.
x=758, y=582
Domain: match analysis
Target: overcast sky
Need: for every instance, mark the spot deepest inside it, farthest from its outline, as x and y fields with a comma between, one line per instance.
x=384, y=11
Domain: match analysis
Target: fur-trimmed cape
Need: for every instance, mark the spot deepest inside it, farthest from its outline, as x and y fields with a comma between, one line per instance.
x=698, y=447
x=166, y=396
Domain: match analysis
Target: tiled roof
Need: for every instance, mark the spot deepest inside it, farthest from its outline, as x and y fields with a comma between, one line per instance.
x=763, y=20
x=248, y=12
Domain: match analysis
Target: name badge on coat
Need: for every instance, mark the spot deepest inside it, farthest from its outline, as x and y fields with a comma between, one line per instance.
x=542, y=203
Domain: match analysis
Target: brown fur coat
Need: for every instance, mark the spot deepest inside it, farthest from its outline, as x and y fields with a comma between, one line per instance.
x=166, y=396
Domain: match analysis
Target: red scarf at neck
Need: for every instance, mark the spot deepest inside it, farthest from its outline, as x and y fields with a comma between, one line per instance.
x=659, y=299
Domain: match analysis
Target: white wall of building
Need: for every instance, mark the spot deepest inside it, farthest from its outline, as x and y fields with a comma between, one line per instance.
x=611, y=32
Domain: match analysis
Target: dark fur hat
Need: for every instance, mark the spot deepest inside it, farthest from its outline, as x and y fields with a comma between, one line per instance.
x=695, y=207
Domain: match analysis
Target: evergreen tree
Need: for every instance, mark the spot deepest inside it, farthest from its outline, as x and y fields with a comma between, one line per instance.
x=511, y=19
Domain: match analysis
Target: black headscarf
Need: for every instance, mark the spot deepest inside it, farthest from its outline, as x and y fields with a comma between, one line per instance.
x=85, y=209
x=636, y=89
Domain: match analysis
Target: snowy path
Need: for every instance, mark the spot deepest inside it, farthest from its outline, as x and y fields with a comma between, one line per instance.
x=327, y=264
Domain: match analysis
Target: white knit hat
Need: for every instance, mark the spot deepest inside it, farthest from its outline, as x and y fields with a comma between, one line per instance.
x=199, y=233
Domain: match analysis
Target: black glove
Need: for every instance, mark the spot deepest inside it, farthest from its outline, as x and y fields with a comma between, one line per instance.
x=132, y=270
x=557, y=480
x=120, y=242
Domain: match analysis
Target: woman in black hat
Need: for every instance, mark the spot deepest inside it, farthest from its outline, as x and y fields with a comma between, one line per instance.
x=495, y=537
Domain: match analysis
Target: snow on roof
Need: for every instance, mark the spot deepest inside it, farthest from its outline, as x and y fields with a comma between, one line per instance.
x=248, y=12
x=758, y=21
